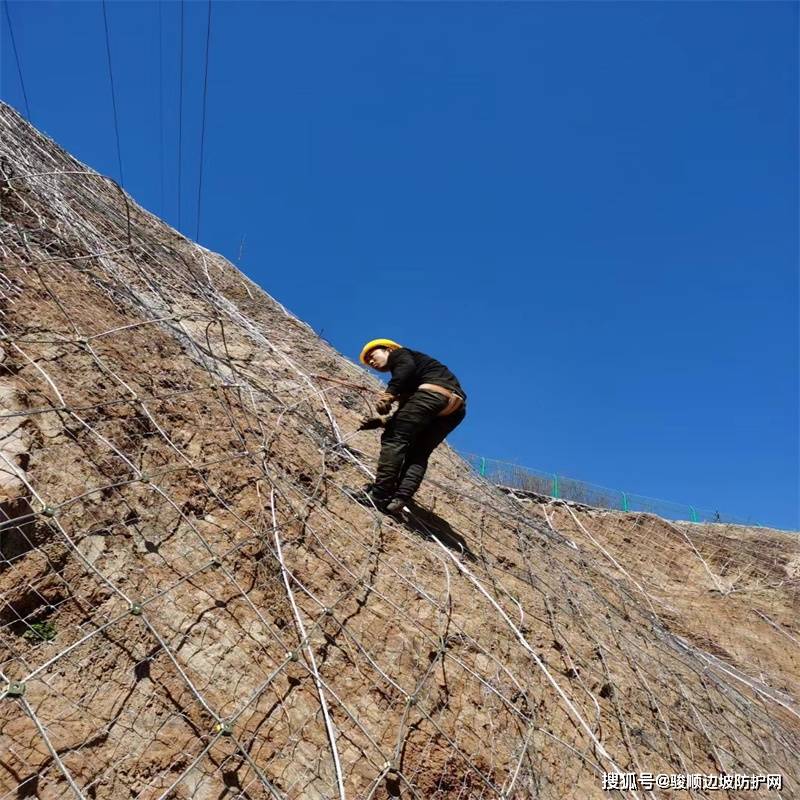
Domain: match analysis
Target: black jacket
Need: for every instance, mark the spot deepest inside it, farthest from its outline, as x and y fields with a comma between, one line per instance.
x=410, y=368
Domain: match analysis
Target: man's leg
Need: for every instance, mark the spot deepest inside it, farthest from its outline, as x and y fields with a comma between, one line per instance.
x=417, y=455
x=401, y=431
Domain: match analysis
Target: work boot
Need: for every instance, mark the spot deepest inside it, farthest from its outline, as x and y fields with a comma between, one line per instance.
x=370, y=496
x=395, y=506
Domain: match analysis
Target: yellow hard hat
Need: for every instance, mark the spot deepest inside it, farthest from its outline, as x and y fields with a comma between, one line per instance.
x=370, y=346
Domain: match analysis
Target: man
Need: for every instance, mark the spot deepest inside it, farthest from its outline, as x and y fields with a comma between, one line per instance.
x=431, y=403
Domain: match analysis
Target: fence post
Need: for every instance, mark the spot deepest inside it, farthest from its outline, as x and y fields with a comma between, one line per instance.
x=482, y=468
x=555, y=485
x=624, y=501
x=694, y=514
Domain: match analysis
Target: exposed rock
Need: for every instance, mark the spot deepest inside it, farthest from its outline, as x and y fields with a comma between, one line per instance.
x=228, y=622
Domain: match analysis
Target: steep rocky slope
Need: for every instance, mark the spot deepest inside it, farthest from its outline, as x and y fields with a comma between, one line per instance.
x=193, y=606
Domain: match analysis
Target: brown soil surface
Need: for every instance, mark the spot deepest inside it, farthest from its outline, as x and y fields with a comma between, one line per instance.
x=196, y=608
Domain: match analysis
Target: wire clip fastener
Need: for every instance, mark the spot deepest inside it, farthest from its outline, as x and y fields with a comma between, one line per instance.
x=392, y=773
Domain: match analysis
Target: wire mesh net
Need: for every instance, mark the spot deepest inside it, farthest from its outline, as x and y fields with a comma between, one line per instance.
x=194, y=606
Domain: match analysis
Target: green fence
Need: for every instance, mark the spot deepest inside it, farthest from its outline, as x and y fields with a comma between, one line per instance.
x=526, y=479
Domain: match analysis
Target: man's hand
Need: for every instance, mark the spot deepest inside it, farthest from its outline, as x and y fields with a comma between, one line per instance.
x=384, y=403
x=371, y=423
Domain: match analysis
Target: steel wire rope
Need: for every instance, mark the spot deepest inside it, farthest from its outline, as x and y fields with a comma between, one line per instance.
x=53, y=752
x=523, y=641
x=73, y=409
x=242, y=592
x=406, y=617
x=165, y=648
x=428, y=717
x=203, y=123
x=161, y=102
x=180, y=115
x=421, y=593
x=757, y=686
x=478, y=677
x=113, y=94
x=310, y=653
x=17, y=59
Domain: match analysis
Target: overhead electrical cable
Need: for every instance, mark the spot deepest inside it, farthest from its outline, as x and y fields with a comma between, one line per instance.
x=161, y=101
x=19, y=65
x=113, y=95
x=203, y=124
x=180, y=120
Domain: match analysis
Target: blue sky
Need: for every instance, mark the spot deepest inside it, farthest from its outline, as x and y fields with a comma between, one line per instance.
x=588, y=210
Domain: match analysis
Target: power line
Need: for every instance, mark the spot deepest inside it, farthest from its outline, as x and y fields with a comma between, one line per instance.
x=161, y=101
x=180, y=121
x=203, y=126
x=16, y=56
x=113, y=95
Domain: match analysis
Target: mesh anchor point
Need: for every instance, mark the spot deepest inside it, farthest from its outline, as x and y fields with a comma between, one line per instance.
x=223, y=728
x=15, y=689
x=48, y=511
x=293, y=656
x=136, y=609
